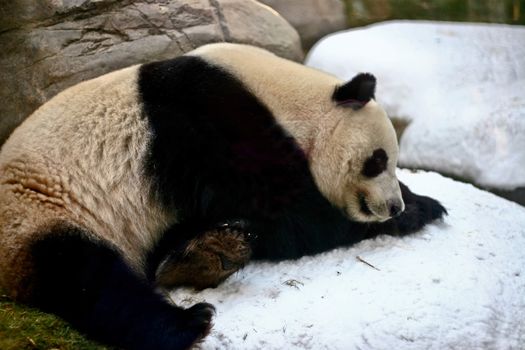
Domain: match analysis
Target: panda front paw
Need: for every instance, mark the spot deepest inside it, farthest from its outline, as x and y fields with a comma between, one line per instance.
x=418, y=214
x=419, y=211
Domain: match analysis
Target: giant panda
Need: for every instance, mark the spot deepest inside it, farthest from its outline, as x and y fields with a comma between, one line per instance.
x=112, y=178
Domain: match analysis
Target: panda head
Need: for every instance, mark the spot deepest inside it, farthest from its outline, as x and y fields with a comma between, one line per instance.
x=357, y=157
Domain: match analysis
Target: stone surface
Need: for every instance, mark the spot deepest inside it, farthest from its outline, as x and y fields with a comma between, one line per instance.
x=50, y=45
x=313, y=19
x=250, y=21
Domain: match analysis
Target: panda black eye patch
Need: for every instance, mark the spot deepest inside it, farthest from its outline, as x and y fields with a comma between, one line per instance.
x=375, y=164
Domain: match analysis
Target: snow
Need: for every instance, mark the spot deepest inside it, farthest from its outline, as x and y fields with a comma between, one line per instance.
x=462, y=86
x=457, y=284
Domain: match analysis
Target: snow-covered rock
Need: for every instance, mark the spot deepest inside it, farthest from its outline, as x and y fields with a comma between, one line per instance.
x=461, y=85
x=458, y=284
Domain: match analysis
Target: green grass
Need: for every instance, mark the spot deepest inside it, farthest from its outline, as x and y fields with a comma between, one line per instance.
x=22, y=327
x=362, y=12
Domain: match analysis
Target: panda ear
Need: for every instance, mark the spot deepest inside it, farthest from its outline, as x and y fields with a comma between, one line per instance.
x=357, y=92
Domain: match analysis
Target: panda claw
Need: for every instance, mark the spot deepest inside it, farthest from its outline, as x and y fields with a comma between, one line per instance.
x=234, y=224
x=250, y=237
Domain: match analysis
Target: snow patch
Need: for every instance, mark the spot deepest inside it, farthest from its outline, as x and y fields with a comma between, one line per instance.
x=457, y=284
x=461, y=85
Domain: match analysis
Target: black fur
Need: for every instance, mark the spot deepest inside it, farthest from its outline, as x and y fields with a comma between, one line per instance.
x=88, y=284
x=218, y=154
x=357, y=92
x=376, y=164
x=312, y=225
x=363, y=206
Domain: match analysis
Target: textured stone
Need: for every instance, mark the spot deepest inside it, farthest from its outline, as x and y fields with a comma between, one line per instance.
x=247, y=20
x=50, y=45
x=313, y=19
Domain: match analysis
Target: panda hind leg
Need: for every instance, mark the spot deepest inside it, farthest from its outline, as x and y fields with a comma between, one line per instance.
x=207, y=260
x=88, y=284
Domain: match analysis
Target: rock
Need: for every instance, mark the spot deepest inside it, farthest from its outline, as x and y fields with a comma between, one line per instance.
x=22, y=12
x=313, y=19
x=50, y=45
x=249, y=22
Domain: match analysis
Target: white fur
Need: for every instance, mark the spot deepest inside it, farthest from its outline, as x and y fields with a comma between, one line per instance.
x=337, y=140
x=79, y=158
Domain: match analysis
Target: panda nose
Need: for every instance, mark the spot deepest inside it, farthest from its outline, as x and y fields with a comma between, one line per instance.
x=395, y=209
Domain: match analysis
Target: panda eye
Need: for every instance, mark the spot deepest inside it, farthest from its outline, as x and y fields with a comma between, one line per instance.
x=375, y=164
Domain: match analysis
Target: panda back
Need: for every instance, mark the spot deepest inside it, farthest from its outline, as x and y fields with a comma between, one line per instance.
x=82, y=153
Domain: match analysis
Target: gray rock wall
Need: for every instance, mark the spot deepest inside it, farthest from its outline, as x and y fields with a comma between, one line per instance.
x=49, y=45
x=313, y=19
